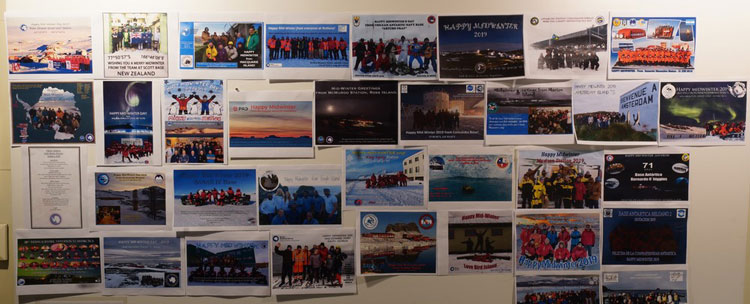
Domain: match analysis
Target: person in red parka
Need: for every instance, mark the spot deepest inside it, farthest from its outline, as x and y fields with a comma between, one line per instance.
x=564, y=236
x=561, y=253
x=525, y=234
x=544, y=251
x=529, y=250
x=580, y=193
x=578, y=252
x=588, y=239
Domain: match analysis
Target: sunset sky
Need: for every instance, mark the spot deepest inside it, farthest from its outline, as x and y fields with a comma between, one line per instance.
x=264, y=123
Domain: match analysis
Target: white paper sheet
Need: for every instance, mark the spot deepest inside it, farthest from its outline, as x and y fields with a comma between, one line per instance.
x=54, y=177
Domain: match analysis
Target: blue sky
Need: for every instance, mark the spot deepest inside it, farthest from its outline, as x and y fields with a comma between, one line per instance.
x=186, y=181
x=391, y=161
x=405, y=217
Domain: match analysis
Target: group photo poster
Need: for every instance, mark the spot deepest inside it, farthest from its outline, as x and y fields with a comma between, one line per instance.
x=566, y=288
x=558, y=241
x=214, y=199
x=441, y=113
x=645, y=236
x=213, y=45
x=271, y=124
x=475, y=242
x=52, y=112
x=129, y=121
x=56, y=262
x=616, y=112
x=307, y=46
x=127, y=199
x=705, y=113
x=566, y=45
x=300, y=195
x=481, y=47
x=648, y=47
x=194, y=122
x=644, y=286
x=356, y=113
x=53, y=179
x=387, y=46
x=142, y=263
x=559, y=179
x=135, y=45
x=385, y=178
x=529, y=114
x=397, y=243
x=49, y=46
x=480, y=177
x=635, y=176
x=227, y=264
x=313, y=261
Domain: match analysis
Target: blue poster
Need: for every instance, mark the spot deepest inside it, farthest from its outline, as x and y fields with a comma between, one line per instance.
x=529, y=111
x=228, y=45
x=645, y=236
x=215, y=198
x=307, y=45
x=398, y=242
x=128, y=122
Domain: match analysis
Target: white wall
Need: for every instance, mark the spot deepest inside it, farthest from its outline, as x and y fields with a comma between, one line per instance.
x=719, y=213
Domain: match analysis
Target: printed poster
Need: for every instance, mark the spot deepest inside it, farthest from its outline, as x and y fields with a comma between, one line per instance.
x=647, y=177
x=129, y=199
x=313, y=261
x=567, y=46
x=194, y=121
x=645, y=236
x=55, y=194
x=703, y=113
x=394, y=47
x=227, y=263
x=616, y=112
x=479, y=241
x=558, y=241
x=135, y=45
x=397, y=243
x=559, y=179
x=460, y=178
x=127, y=120
x=216, y=45
x=215, y=199
x=52, y=112
x=385, y=178
x=143, y=265
x=292, y=196
x=55, y=46
x=442, y=113
x=531, y=114
x=307, y=46
x=565, y=288
x=644, y=286
x=645, y=47
x=271, y=124
x=481, y=47
x=57, y=265
x=356, y=113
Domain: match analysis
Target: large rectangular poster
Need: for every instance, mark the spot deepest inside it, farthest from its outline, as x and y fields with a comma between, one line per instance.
x=559, y=179
x=215, y=199
x=194, y=121
x=566, y=45
x=129, y=122
x=645, y=236
x=385, y=177
x=704, y=113
x=558, y=241
x=52, y=112
x=647, y=177
x=271, y=124
x=481, y=47
x=54, y=46
x=397, y=243
x=646, y=47
x=133, y=199
x=645, y=286
x=394, y=47
x=564, y=288
x=55, y=194
x=356, y=113
x=473, y=242
x=313, y=261
x=147, y=264
x=135, y=45
x=616, y=112
x=532, y=114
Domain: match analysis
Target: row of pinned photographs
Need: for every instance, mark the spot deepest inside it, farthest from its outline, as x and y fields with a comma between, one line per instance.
x=200, y=119
x=638, y=252
x=248, y=197
x=340, y=46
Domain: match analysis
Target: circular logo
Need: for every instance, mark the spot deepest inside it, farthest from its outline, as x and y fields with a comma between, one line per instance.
x=469, y=88
x=738, y=89
x=599, y=19
x=431, y=19
x=680, y=168
x=686, y=157
x=426, y=221
x=24, y=27
x=616, y=22
x=370, y=221
x=89, y=137
x=358, y=202
x=320, y=139
x=21, y=282
x=172, y=280
x=275, y=238
x=480, y=88
x=534, y=20
x=503, y=162
x=158, y=179
x=269, y=181
x=81, y=138
x=103, y=179
x=329, y=139
x=480, y=68
x=611, y=183
x=610, y=157
x=55, y=219
x=668, y=91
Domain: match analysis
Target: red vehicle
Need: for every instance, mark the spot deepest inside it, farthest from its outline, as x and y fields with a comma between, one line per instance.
x=630, y=33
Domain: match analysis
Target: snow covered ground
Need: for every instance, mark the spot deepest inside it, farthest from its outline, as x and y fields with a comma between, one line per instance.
x=411, y=195
x=212, y=215
x=117, y=159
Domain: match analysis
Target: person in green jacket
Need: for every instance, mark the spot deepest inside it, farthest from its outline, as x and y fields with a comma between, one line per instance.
x=253, y=41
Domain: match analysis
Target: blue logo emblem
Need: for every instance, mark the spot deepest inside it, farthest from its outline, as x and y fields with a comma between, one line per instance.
x=55, y=219
x=103, y=179
x=89, y=137
x=320, y=139
x=24, y=27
